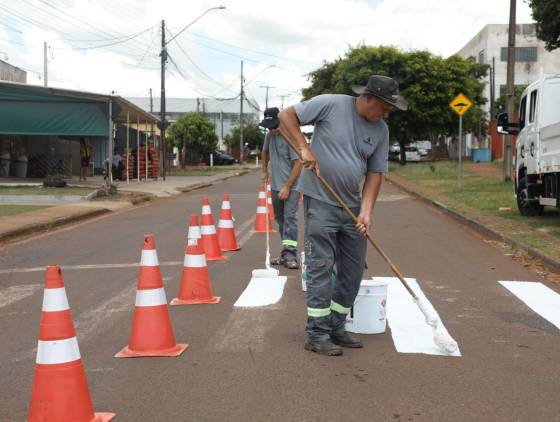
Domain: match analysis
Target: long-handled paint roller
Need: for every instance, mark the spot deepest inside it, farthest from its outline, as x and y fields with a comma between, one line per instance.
x=268, y=272
x=442, y=339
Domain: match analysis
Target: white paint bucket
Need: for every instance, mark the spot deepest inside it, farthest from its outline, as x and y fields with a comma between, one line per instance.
x=368, y=315
x=303, y=272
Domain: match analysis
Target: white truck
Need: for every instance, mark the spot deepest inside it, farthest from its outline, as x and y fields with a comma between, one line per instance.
x=537, y=155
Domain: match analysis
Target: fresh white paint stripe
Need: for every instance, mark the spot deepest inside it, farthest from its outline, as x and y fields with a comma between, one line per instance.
x=541, y=299
x=55, y=300
x=225, y=224
x=262, y=292
x=207, y=230
x=86, y=267
x=261, y=210
x=206, y=209
x=12, y=294
x=409, y=330
x=194, y=233
x=226, y=205
x=152, y=297
x=149, y=258
x=57, y=351
x=195, y=261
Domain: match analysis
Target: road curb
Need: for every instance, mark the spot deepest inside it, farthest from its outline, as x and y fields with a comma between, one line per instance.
x=214, y=182
x=533, y=253
x=46, y=226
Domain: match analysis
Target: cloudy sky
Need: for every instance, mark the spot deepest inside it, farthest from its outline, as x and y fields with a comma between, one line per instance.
x=108, y=45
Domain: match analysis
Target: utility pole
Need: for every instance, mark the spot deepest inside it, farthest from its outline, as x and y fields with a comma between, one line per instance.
x=510, y=89
x=267, y=87
x=151, y=102
x=492, y=87
x=282, y=96
x=241, y=118
x=45, y=66
x=163, y=55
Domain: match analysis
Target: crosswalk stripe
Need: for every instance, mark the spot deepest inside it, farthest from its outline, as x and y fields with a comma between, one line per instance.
x=13, y=294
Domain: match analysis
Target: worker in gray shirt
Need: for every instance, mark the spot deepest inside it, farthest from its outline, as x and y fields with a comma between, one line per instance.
x=284, y=167
x=350, y=141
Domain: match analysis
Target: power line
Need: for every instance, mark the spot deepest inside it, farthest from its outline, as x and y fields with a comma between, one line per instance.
x=106, y=45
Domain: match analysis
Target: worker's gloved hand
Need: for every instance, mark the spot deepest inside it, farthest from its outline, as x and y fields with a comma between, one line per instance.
x=364, y=223
x=284, y=193
x=309, y=160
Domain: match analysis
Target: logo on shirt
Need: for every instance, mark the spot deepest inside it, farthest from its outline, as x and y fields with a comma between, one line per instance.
x=368, y=141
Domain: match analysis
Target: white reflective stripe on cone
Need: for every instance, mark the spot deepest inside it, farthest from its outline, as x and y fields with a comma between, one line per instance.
x=225, y=224
x=206, y=209
x=51, y=352
x=268, y=187
x=262, y=195
x=149, y=258
x=269, y=200
x=195, y=261
x=261, y=210
x=192, y=242
x=152, y=297
x=55, y=300
x=194, y=233
x=206, y=230
x=226, y=205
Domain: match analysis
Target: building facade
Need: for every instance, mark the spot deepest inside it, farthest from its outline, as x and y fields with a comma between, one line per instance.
x=532, y=60
x=11, y=73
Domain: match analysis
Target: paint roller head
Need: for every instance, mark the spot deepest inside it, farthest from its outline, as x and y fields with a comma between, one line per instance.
x=430, y=314
x=444, y=341
x=265, y=273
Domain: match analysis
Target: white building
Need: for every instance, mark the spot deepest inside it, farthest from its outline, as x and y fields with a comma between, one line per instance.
x=489, y=46
x=223, y=113
x=11, y=73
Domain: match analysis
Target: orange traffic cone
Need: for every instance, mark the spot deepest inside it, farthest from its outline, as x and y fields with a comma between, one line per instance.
x=194, y=229
x=195, y=283
x=60, y=391
x=269, y=202
x=261, y=223
x=226, y=231
x=152, y=333
x=209, y=237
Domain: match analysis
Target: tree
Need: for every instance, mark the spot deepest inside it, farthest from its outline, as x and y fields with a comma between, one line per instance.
x=545, y=13
x=195, y=135
x=427, y=81
x=252, y=136
x=501, y=101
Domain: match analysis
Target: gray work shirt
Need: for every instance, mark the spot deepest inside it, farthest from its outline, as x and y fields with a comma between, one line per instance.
x=346, y=146
x=281, y=160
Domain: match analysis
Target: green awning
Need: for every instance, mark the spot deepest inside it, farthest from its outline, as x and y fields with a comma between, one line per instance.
x=31, y=112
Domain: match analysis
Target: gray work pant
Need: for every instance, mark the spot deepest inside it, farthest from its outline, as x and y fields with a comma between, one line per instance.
x=286, y=213
x=331, y=237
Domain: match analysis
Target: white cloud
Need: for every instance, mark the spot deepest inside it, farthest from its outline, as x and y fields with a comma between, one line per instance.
x=305, y=31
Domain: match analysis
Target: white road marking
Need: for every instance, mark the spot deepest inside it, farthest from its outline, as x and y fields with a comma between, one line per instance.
x=12, y=294
x=262, y=291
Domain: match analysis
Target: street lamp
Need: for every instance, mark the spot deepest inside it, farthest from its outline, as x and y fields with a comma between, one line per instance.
x=163, y=55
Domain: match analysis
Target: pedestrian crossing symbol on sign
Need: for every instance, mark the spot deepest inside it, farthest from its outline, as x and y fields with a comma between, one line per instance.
x=460, y=104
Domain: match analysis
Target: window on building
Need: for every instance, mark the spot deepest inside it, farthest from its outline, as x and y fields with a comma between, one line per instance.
x=481, y=57
x=522, y=54
x=532, y=106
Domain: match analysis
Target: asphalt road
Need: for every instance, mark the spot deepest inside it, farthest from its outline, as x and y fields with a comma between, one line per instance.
x=249, y=364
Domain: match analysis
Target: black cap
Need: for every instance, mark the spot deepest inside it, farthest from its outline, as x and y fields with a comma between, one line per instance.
x=384, y=88
x=270, y=120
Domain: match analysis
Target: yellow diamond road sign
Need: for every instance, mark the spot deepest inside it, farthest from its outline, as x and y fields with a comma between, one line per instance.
x=460, y=104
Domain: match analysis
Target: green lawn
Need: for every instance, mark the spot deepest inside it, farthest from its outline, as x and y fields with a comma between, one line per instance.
x=205, y=171
x=19, y=209
x=485, y=199
x=40, y=190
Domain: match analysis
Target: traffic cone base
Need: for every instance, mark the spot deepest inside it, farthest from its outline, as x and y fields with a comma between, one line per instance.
x=176, y=350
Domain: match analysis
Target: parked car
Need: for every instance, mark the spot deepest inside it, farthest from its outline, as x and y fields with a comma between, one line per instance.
x=220, y=158
x=412, y=154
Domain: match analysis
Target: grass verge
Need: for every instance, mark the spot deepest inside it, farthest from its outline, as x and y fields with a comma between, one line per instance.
x=6, y=210
x=40, y=190
x=487, y=200
x=206, y=170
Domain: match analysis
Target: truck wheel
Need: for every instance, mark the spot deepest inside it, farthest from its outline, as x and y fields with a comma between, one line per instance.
x=526, y=207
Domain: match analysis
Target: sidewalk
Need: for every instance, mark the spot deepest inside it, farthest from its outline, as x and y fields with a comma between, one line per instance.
x=14, y=226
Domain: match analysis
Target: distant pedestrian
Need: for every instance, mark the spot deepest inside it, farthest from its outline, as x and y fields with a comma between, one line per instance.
x=282, y=165
x=85, y=156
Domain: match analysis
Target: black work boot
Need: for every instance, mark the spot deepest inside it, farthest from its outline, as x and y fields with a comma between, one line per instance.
x=291, y=263
x=277, y=261
x=323, y=347
x=346, y=340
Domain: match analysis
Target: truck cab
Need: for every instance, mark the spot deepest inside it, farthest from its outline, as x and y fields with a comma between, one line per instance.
x=537, y=152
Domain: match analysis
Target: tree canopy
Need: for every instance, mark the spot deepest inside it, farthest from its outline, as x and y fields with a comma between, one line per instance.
x=427, y=81
x=252, y=135
x=545, y=13
x=195, y=134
